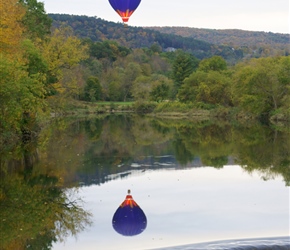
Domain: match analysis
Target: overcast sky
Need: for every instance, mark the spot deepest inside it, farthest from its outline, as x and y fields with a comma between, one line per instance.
x=254, y=15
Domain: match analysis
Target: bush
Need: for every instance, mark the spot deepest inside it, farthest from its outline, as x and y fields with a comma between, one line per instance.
x=145, y=107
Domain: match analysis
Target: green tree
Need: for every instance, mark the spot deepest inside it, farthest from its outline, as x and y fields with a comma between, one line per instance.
x=183, y=65
x=93, y=89
x=209, y=85
x=111, y=82
x=114, y=91
x=93, y=67
x=35, y=62
x=132, y=71
x=156, y=48
x=215, y=63
x=208, y=88
x=261, y=85
x=161, y=88
x=37, y=22
x=141, y=88
x=19, y=93
x=108, y=49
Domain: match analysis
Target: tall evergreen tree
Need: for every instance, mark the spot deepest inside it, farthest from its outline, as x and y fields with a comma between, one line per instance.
x=183, y=65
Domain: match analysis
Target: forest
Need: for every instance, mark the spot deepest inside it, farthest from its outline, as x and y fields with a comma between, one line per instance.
x=48, y=63
x=253, y=44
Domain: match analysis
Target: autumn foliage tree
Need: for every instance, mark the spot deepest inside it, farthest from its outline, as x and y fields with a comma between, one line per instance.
x=63, y=51
x=34, y=64
x=21, y=90
x=11, y=28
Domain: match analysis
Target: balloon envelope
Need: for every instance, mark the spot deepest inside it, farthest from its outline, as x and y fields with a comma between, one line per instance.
x=125, y=8
x=129, y=219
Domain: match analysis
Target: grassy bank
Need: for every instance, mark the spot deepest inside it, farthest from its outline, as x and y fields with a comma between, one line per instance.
x=81, y=107
x=172, y=110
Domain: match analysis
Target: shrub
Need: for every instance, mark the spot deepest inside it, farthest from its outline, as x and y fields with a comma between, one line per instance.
x=145, y=107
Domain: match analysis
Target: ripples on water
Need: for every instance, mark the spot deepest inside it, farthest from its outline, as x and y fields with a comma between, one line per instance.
x=281, y=243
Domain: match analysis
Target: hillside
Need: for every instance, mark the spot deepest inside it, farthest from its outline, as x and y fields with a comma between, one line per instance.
x=233, y=45
x=98, y=29
x=233, y=37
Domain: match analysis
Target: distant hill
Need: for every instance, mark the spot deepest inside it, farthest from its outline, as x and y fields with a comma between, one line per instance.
x=233, y=45
x=98, y=29
x=232, y=37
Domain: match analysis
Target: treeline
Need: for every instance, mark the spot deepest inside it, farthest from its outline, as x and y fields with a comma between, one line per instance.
x=44, y=68
x=253, y=88
x=252, y=43
x=98, y=29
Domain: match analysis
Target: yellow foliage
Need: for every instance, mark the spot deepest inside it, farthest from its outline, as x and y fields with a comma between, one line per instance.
x=11, y=30
x=63, y=51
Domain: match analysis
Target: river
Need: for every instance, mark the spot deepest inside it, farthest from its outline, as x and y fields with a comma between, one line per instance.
x=200, y=184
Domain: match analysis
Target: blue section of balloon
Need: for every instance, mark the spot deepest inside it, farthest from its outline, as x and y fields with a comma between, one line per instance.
x=129, y=221
x=124, y=5
x=124, y=8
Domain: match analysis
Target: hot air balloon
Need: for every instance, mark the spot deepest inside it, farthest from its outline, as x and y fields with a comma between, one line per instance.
x=125, y=8
x=129, y=219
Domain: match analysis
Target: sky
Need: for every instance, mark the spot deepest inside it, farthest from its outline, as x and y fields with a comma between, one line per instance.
x=252, y=15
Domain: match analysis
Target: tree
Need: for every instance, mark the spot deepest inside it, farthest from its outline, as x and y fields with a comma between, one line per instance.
x=73, y=81
x=93, y=89
x=183, y=65
x=19, y=93
x=261, y=85
x=210, y=84
x=156, y=48
x=132, y=71
x=108, y=49
x=62, y=52
x=216, y=63
x=11, y=28
x=36, y=21
x=114, y=91
x=161, y=88
x=141, y=88
x=34, y=61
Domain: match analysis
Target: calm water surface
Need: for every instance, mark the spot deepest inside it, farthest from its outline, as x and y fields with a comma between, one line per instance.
x=195, y=181
x=186, y=206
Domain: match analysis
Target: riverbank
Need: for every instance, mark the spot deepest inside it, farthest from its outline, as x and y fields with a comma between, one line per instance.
x=170, y=110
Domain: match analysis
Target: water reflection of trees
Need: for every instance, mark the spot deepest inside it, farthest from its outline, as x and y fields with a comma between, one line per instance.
x=126, y=139
x=255, y=147
x=265, y=150
x=35, y=208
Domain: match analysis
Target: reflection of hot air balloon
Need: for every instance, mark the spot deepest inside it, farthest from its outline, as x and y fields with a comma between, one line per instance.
x=125, y=8
x=129, y=219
